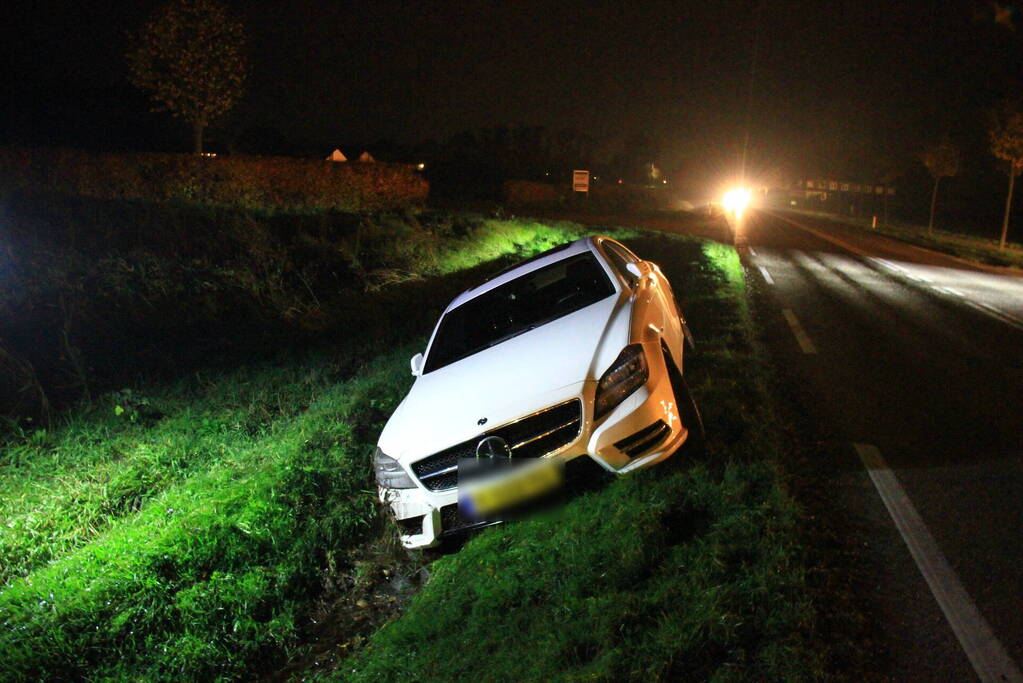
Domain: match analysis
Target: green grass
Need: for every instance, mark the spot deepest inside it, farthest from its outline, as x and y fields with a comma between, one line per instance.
x=969, y=247
x=194, y=543
x=689, y=571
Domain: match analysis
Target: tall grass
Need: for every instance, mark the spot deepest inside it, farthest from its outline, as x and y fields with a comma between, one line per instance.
x=193, y=545
x=193, y=540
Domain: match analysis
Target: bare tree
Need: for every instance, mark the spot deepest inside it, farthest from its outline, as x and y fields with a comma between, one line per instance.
x=942, y=161
x=1006, y=133
x=190, y=57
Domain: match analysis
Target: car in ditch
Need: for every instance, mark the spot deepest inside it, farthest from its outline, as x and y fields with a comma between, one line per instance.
x=575, y=355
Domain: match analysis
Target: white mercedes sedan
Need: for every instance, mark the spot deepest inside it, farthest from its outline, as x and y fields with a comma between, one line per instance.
x=573, y=354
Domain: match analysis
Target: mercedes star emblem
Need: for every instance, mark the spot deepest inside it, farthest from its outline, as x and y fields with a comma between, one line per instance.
x=493, y=447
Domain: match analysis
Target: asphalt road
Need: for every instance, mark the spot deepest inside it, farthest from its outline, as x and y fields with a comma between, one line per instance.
x=913, y=363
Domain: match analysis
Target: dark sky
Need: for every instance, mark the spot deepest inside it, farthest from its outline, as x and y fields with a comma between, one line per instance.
x=833, y=79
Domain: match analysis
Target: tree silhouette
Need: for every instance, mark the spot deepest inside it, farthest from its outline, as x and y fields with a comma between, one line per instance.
x=1006, y=134
x=190, y=58
x=942, y=161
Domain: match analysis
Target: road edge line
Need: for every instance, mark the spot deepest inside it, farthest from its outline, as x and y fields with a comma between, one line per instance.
x=992, y=312
x=989, y=658
x=804, y=341
x=1011, y=271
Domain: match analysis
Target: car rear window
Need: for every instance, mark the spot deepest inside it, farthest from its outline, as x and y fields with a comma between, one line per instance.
x=525, y=303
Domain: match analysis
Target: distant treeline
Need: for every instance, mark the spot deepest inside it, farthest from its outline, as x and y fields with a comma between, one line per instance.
x=244, y=182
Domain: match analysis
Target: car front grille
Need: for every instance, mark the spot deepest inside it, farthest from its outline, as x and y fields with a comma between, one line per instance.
x=452, y=521
x=529, y=437
x=644, y=439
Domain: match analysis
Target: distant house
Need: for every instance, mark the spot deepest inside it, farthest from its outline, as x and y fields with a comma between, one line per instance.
x=336, y=155
x=366, y=157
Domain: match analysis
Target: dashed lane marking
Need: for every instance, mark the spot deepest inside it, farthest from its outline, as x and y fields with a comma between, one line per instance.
x=767, y=275
x=995, y=313
x=987, y=655
x=797, y=330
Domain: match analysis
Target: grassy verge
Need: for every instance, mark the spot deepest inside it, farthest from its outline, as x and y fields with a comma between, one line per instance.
x=202, y=538
x=689, y=571
x=964, y=246
x=190, y=535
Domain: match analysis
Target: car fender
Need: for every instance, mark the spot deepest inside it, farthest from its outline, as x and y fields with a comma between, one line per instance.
x=617, y=335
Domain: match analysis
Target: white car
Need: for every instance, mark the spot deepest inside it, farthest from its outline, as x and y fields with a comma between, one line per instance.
x=575, y=353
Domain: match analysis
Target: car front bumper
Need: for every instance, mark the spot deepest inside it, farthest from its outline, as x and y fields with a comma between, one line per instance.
x=641, y=431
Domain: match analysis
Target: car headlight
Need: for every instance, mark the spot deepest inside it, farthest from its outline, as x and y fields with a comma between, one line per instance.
x=390, y=475
x=628, y=373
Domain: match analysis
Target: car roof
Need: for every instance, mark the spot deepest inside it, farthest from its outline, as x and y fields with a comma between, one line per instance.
x=558, y=253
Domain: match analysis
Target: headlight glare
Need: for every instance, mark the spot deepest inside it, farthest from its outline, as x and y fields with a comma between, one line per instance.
x=628, y=373
x=389, y=473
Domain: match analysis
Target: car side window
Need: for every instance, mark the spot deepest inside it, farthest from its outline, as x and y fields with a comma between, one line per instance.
x=619, y=260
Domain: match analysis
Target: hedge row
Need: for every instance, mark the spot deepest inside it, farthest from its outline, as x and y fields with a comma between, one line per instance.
x=524, y=192
x=271, y=184
x=604, y=197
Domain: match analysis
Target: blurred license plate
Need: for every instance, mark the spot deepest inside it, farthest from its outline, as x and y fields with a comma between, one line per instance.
x=509, y=488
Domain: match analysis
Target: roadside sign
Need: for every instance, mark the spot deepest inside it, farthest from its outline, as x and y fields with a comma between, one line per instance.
x=581, y=181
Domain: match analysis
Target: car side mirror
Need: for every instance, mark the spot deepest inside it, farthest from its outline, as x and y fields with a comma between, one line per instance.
x=634, y=269
x=417, y=365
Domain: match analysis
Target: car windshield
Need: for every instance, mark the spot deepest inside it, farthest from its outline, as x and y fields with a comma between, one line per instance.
x=525, y=303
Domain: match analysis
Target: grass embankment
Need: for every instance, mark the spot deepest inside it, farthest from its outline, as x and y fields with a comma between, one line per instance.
x=969, y=247
x=191, y=535
x=95, y=292
x=689, y=571
x=201, y=539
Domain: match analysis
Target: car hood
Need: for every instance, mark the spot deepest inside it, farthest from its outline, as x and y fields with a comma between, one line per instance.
x=519, y=376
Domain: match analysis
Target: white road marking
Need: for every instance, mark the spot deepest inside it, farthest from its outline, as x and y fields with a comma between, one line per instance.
x=993, y=312
x=797, y=330
x=752, y=251
x=767, y=276
x=827, y=238
x=973, y=265
x=889, y=265
x=1007, y=316
x=1001, y=316
x=989, y=658
x=948, y=290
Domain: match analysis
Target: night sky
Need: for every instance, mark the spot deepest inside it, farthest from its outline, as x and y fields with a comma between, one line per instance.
x=835, y=82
